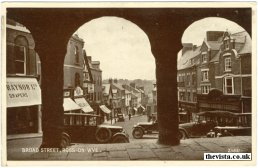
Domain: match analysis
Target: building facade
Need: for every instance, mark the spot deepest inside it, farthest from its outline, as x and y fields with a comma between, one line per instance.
x=222, y=73
x=74, y=63
x=23, y=90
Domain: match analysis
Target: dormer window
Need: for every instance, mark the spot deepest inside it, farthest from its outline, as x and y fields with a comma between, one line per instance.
x=226, y=43
x=204, y=57
x=228, y=64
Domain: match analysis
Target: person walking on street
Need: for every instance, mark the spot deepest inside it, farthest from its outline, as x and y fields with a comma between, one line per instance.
x=129, y=116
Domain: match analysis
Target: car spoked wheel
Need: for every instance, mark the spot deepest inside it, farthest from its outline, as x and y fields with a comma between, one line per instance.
x=137, y=133
x=120, y=139
x=66, y=140
x=181, y=134
x=103, y=135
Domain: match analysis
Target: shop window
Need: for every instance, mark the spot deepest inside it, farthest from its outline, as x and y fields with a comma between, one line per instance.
x=227, y=64
x=20, y=59
x=228, y=85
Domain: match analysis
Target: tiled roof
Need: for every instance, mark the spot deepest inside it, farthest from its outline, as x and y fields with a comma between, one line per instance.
x=184, y=61
x=247, y=48
x=214, y=45
x=127, y=92
x=118, y=86
x=216, y=57
x=114, y=90
x=134, y=96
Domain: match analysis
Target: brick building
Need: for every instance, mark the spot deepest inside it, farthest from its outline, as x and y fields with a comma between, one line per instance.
x=216, y=75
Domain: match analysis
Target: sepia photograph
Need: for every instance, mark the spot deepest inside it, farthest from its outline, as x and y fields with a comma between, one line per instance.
x=163, y=83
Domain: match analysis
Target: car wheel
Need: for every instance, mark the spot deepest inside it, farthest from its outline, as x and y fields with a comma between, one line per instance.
x=103, y=135
x=182, y=134
x=66, y=140
x=137, y=133
x=120, y=139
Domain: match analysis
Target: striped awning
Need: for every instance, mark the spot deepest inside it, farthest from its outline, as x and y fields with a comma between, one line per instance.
x=84, y=105
x=70, y=105
x=105, y=109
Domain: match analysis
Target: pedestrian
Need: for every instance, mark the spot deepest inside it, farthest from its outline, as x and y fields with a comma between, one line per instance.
x=129, y=116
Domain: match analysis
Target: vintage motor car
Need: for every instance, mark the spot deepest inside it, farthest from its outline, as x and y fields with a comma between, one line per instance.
x=206, y=122
x=242, y=126
x=144, y=128
x=85, y=128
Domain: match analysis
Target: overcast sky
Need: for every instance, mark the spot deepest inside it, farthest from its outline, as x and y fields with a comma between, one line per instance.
x=123, y=49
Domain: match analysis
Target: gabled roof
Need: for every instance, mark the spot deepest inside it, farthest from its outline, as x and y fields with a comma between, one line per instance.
x=118, y=86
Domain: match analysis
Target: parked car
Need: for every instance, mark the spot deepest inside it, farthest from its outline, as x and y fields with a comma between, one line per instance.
x=241, y=128
x=144, y=128
x=206, y=122
x=210, y=121
x=120, y=117
x=85, y=128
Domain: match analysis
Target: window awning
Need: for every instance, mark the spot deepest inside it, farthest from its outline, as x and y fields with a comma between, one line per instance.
x=142, y=107
x=22, y=92
x=135, y=108
x=105, y=109
x=70, y=105
x=84, y=105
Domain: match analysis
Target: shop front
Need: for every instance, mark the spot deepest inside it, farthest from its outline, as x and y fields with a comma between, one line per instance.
x=70, y=107
x=105, y=115
x=23, y=96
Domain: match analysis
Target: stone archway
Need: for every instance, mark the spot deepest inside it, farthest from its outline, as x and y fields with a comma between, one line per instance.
x=52, y=28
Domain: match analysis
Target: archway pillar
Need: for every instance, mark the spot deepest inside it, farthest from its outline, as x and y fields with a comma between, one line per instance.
x=166, y=74
x=52, y=63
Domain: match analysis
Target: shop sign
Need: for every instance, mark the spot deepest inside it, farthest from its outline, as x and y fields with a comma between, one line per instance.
x=22, y=92
x=78, y=91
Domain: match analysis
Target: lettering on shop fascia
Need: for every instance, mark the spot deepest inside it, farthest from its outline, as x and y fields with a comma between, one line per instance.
x=17, y=87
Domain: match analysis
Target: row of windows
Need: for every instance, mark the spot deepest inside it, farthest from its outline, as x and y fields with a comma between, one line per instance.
x=189, y=80
x=186, y=96
x=228, y=86
x=97, y=80
x=96, y=96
